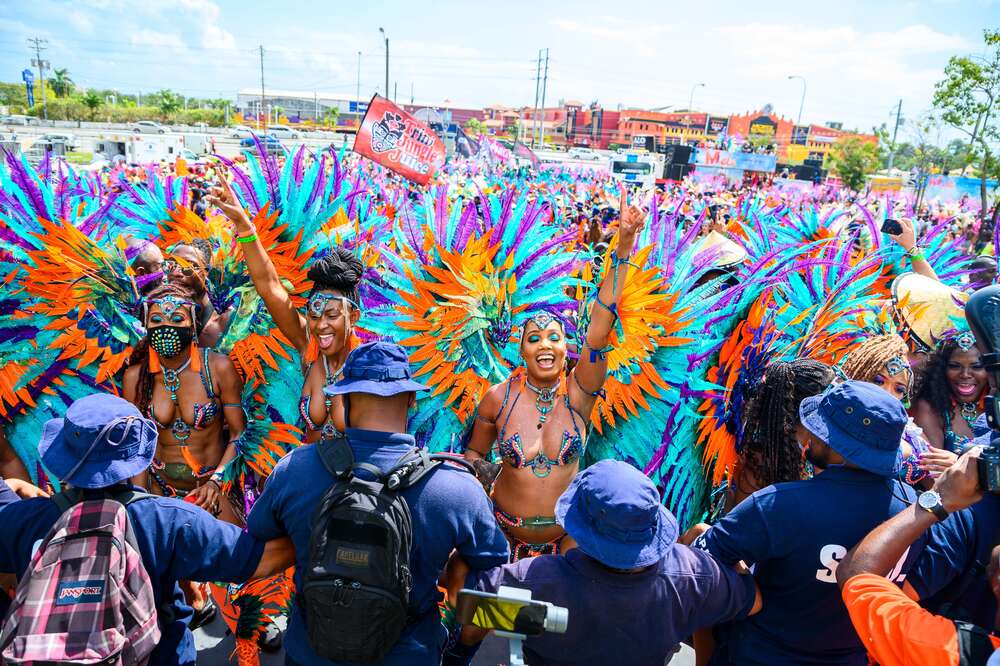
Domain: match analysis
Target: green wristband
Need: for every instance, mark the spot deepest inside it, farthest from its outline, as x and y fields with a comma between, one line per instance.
x=246, y=239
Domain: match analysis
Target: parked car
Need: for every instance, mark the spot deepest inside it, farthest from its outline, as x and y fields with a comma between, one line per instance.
x=284, y=132
x=149, y=127
x=582, y=154
x=240, y=132
x=268, y=141
x=66, y=138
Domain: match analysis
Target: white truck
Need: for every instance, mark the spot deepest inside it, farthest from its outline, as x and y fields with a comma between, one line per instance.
x=637, y=167
x=140, y=148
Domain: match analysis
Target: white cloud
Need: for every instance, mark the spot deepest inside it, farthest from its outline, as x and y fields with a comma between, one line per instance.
x=154, y=38
x=82, y=22
x=642, y=37
x=214, y=37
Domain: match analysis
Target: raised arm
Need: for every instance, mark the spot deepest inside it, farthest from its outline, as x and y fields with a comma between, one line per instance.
x=591, y=371
x=908, y=241
x=265, y=277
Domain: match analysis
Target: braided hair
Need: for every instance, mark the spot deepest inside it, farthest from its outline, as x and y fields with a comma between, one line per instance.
x=869, y=358
x=770, y=451
x=340, y=271
x=140, y=355
x=934, y=386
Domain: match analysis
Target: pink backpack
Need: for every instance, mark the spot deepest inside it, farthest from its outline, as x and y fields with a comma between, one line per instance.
x=86, y=598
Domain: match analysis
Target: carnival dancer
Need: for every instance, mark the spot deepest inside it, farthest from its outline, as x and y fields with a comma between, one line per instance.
x=188, y=264
x=952, y=391
x=322, y=336
x=189, y=392
x=538, y=418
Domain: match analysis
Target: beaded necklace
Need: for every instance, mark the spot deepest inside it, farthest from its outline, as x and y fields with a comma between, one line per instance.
x=544, y=401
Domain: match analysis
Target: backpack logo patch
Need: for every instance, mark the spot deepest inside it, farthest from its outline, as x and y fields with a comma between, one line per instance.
x=352, y=557
x=79, y=592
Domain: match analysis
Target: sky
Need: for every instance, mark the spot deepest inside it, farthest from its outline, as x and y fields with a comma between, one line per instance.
x=858, y=58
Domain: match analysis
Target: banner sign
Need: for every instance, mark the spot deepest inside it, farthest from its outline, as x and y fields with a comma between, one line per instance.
x=29, y=85
x=522, y=151
x=717, y=124
x=953, y=188
x=357, y=107
x=800, y=134
x=396, y=140
x=465, y=146
x=725, y=159
x=763, y=126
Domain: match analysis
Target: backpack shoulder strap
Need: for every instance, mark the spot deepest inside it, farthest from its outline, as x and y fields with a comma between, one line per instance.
x=336, y=455
x=67, y=498
x=974, y=644
x=418, y=463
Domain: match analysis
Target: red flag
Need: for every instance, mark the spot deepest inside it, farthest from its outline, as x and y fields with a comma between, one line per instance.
x=398, y=141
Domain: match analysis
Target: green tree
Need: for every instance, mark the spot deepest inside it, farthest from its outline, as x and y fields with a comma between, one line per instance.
x=93, y=101
x=475, y=126
x=967, y=98
x=330, y=115
x=852, y=159
x=61, y=84
x=167, y=101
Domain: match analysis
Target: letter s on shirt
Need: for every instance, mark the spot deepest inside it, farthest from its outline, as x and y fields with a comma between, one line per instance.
x=831, y=555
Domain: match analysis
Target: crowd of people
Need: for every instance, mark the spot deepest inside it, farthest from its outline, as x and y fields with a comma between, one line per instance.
x=292, y=385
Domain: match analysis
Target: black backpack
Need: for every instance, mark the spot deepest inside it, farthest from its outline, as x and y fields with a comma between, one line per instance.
x=356, y=589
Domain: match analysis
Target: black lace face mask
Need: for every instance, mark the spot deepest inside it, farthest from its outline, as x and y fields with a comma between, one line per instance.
x=169, y=341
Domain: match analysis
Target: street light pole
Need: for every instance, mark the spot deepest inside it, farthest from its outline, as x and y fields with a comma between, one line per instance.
x=803, y=100
x=382, y=30
x=691, y=98
x=359, y=78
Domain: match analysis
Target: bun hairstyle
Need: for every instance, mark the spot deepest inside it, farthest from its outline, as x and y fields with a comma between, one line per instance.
x=340, y=270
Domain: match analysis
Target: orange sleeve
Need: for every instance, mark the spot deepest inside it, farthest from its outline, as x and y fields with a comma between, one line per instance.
x=894, y=629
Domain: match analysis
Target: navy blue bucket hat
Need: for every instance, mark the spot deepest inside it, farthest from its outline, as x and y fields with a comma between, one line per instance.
x=613, y=512
x=102, y=440
x=379, y=368
x=859, y=421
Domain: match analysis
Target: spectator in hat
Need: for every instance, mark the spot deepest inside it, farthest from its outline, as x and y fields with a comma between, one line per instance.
x=103, y=442
x=449, y=509
x=895, y=629
x=632, y=592
x=794, y=534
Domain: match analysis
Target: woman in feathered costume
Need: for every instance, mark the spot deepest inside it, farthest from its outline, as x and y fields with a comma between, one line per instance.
x=190, y=392
x=322, y=336
x=542, y=439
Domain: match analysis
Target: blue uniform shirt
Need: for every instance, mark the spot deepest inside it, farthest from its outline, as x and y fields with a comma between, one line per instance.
x=795, y=534
x=624, y=618
x=956, y=555
x=449, y=510
x=177, y=541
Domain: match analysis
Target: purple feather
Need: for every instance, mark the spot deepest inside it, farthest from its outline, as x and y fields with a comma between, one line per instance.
x=243, y=184
x=319, y=185
x=466, y=225
x=21, y=176
x=544, y=249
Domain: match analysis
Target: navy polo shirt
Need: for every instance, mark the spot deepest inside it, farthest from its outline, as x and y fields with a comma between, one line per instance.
x=624, y=618
x=177, y=541
x=449, y=511
x=795, y=534
x=956, y=555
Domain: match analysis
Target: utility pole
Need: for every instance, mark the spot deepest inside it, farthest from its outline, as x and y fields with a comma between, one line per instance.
x=315, y=107
x=538, y=89
x=358, y=95
x=895, y=131
x=545, y=85
x=411, y=92
x=41, y=45
x=382, y=30
x=395, y=92
x=261, y=114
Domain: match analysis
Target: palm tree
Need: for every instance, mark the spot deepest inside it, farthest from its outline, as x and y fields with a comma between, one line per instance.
x=92, y=101
x=60, y=82
x=168, y=101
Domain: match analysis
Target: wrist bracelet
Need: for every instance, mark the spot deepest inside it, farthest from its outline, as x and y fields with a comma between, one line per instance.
x=917, y=253
x=246, y=239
